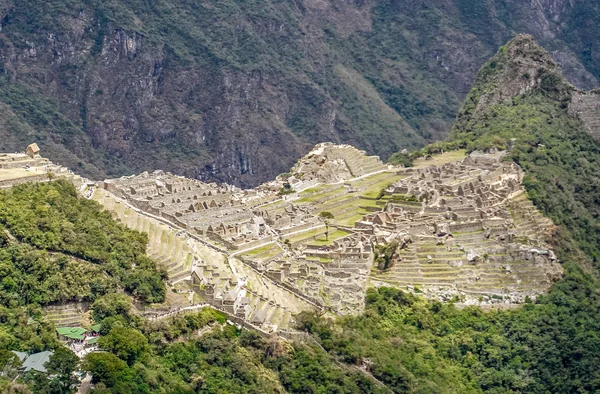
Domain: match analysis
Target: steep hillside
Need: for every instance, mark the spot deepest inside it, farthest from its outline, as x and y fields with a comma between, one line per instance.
x=237, y=92
x=521, y=101
x=407, y=343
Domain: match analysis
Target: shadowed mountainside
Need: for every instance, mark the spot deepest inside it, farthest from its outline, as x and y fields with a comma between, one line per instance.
x=237, y=92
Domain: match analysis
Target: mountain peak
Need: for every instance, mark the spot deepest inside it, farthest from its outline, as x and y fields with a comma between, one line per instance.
x=518, y=67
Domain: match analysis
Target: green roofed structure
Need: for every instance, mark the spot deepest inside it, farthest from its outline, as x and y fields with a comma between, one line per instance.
x=95, y=328
x=93, y=340
x=72, y=332
x=36, y=362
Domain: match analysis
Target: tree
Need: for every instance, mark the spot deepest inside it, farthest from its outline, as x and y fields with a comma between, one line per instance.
x=111, y=305
x=384, y=254
x=62, y=364
x=105, y=368
x=9, y=364
x=126, y=343
x=326, y=217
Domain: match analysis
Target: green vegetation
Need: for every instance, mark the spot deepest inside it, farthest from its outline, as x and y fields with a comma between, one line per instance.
x=286, y=189
x=57, y=247
x=413, y=345
x=404, y=198
x=334, y=235
x=169, y=357
x=384, y=255
x=50, y=218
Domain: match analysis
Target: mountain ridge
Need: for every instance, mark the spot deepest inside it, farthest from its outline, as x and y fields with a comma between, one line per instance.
x=404, y=341
x=209, y=90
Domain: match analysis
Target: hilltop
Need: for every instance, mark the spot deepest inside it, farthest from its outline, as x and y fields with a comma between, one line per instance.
x=549, y=127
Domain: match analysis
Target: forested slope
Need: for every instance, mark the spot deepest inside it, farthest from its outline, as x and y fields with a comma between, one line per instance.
x=57, y=247
x=209, y=88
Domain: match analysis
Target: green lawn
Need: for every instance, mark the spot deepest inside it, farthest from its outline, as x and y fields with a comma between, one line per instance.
x=320, y=196
x=441, y=159
x=333, y=235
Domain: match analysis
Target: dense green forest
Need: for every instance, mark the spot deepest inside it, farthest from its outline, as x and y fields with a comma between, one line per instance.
x=170, y=357
x=56, y=246
x=53, y=230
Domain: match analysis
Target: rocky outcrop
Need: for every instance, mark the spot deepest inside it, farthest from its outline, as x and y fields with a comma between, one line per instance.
x=518, y=68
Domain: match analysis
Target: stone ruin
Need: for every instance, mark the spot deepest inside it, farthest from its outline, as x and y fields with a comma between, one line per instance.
x=464, y=230
x=238, y=220
x=30, y=166
x=235, y=218
x=223, y=213
x=330, y=163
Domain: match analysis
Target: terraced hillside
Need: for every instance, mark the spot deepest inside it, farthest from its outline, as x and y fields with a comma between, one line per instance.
x=467, y=230
x=68, y=315
x=457, y=227
x=170, y=251
x=187, y=260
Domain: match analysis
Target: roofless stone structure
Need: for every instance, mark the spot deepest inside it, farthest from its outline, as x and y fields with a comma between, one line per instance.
x=461, y=229
x=29, y=166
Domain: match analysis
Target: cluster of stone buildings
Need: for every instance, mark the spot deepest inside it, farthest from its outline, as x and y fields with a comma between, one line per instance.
x=473, y=190
x=462, y=229
x=472, y=217
x=235, y=218
x=220, y=212
x=333, y=276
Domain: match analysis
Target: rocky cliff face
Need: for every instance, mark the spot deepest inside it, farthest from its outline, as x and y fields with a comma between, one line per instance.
x=238, y=92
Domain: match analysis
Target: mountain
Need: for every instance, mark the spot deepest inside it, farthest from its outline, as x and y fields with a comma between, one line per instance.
x=237, y=92
x=522, y=102
x=57, y=246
